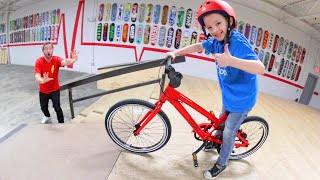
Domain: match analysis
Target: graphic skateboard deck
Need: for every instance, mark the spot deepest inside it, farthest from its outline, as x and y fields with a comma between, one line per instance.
x=298, y=74
x=134, y=12
x=146, y=34
x=261, y=55
x=196, y=24
x=107, y=11
x=303, y=54
x=105, y=32
x=127, y=11
x=177, y=40
x=162, y=36
x=180, y=17
x=276, y=64
x=172, y=16
x=289, y=55
x=188, y=21
x=58, y=16
x=271, y=40
x=256, y=50
x=281, y=66
x=164, y=17
x=154, y=35
x=247, y=30
x=114, y=10
x=132, y=33
x=99, y=31
x=271, y=62
x=54, y=14
x=170, y=37
x=253, y=35
x=290, y=70
x=142, y=13
x=259, y=37
x=299, y=54
x=111, y=32
x=241, y=27
x=120, y=12
x=266, y=60
x=201, y=38
x=285, y=47
x=280, y=47
x=285, y=68
x=149, y=13
x=194, y=37
x=275, y=44
x=156, y=14
x=118, y=32
x=125, y=31
x=185, y=39
x=139, y=34
x=294, y=52
x=294, y=73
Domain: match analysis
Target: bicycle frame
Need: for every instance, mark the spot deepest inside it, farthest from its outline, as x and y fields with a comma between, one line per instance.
x=176, y=98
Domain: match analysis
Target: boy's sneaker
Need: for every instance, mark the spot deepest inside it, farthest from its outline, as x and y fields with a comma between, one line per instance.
x=214, y=172
x=45, y=119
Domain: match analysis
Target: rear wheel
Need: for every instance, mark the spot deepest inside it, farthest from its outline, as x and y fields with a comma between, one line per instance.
x=120, y=123
x=255, y=130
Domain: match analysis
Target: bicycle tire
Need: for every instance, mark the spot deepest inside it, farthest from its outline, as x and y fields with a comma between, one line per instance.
x=133, y=110
x=247, y=151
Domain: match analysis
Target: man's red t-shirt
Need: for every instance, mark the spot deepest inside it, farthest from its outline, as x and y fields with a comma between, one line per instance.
x=42, y=66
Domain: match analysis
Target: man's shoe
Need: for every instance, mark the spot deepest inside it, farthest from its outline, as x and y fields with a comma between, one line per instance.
x=214, y=172
x=45, y=119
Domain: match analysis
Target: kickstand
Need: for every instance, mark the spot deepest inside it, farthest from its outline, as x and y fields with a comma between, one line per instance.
x=194, y=154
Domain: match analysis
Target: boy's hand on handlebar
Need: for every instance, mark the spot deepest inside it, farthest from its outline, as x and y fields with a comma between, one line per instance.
x=171, y=54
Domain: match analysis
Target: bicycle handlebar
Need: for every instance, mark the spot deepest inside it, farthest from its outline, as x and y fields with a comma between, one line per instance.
x=175, y=77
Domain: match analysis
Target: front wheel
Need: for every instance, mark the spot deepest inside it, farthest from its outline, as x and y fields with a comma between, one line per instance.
x=120, y=123
x=255, y=130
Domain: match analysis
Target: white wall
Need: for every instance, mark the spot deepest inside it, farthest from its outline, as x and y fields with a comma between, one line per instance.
x=92, y=56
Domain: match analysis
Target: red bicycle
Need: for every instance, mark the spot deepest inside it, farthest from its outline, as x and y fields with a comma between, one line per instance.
x=142, y=127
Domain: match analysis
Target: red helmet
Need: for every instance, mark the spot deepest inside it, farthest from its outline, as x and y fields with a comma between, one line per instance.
x=215, y=6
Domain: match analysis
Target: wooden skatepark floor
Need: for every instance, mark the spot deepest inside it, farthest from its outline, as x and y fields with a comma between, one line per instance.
x=81, y=148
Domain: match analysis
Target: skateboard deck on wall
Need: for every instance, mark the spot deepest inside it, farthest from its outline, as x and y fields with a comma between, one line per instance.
x=156, y=14
x=170, y=37
x=149, y=13
x=154, y=35
x=201, y=38
x=99, y=30
x=177, y=40
x=162, y=36
x=118, y=32
x=111, y=32
x=164, y=16
x=266, y=60
x=247, y=30
x=294, y=73
x=172, y=16
x=289, y=55
x=188, y=21
x=261, y=55
x=107, y=11
x=120, y=12
x=105, y=32
x=276, y=64
x=127, y=11
x=303, y=54
x=134, y=12
x=298, y=74
x=185, y=39
x=139, y=34
x=253, y=35
x=58, y=16
x=271, y=40
x=142, y=13
x=299, y=54
x=271, y=62
x=114, y=10
x=285, y=68
x=256, y=50
x=290, y=70
x=132, y=33
x=241, y=27
x=180, y=17
x=259, y=37
x=281, y=66
x=194, y=37
x=54, y=14
x=57, y=32
x=196, y=24
x=275, y=44
x=53, y=33
x=125, y=31
x=280, y=47
x=146, y=34
x=294, y=52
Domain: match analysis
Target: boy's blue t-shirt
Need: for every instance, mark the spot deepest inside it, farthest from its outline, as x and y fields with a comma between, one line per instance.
x=239, y=88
